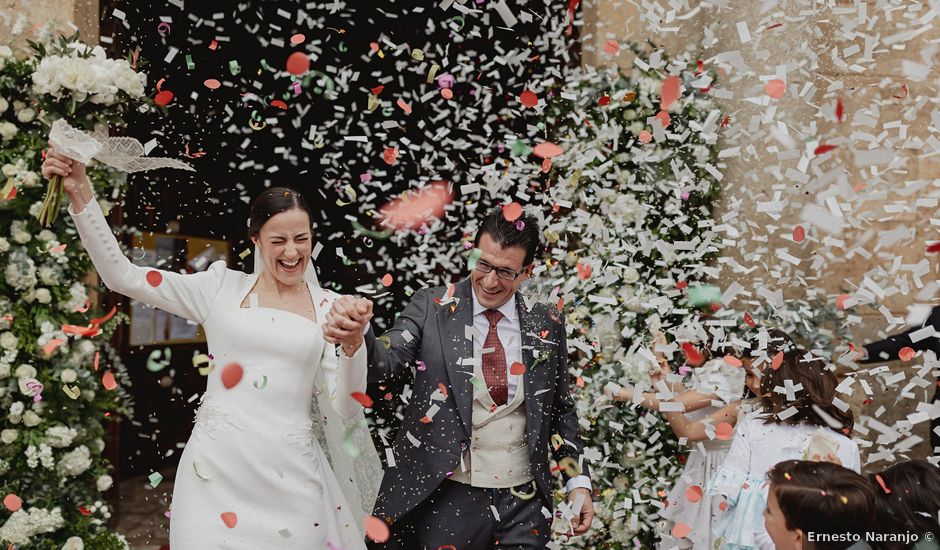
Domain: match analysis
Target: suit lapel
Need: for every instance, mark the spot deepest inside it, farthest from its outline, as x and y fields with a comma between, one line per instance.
x=456, y=321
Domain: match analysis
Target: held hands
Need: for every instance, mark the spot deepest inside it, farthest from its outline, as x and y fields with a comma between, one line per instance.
x=347, y=322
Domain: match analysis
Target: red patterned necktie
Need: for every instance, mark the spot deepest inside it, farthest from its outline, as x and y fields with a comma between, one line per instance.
x=494, y=362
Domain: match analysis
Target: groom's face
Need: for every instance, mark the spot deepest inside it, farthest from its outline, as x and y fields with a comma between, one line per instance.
x=492, y=290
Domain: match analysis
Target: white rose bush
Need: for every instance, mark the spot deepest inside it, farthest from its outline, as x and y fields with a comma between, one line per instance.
x=54, y=351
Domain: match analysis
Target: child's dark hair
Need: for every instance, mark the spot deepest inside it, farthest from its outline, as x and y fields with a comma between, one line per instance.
x=908, y=498
x=816, y=394
x=822, y=497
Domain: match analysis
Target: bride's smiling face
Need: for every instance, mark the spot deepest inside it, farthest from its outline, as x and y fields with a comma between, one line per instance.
x=285, y=244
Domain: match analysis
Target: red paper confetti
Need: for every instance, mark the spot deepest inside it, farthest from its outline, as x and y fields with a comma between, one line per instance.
x=363, y=399
x=51, y=345
x=412, y=210
x=663, y=118
x=681, y=530
x=163, y=98
x=906, y=353
x=297, y=39
x=776, y=361
x=732, y=360
x=646, y=137
x=799, y=234
x=749, y=321
x=692, y=355
x=528, y=98
x=279, y=104
x=840, y=111
x=232, y=375
x=212, y=84
x=882, y=483
x=230, y=519
x=154, y=278
x=935, y=247
x=387, y=280
x=611, y=47
x=825, y=148
x=517, y=369
x=298, y=63
x=390, y=155
x=694, y=494
x=447, y=93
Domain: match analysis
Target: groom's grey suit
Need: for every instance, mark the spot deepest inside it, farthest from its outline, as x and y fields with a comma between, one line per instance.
x=433, y=333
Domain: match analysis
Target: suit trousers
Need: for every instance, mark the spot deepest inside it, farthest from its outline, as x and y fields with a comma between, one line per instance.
x=457, y=516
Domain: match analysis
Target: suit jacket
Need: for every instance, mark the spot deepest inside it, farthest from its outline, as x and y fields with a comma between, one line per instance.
x=433, y=334
x=893, y=344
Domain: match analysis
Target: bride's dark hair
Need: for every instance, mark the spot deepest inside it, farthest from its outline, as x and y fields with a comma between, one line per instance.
x=272, y=202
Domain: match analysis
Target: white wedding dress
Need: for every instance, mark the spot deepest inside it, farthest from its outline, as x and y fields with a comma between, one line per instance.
x=254, y=475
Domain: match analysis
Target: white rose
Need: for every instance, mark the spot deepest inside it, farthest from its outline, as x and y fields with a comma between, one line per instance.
x=74, y=543
x=60, y=436
x=4, y=105
x=7, y=130
x=75, y=462
x=104, y=482
x=4, y=370
x=45, y=235
x=25, y=371
x=35, y=209
x=8, y=341
x=4, y=245
x=9, y=436
x=68, y=376
x=31, y=419
x=631, y=275
x=26, y=115
x=43, y=296
x=5, y=51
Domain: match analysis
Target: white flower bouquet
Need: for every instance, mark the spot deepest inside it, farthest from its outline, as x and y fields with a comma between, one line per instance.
x=78, y=83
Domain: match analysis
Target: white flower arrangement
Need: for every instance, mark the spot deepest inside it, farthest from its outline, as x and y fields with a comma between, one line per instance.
x=60, y=437
x=75, y=462
x=24, y=524
x=86, y=73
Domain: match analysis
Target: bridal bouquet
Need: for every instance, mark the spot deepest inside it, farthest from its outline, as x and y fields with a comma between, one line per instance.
x=77, y=83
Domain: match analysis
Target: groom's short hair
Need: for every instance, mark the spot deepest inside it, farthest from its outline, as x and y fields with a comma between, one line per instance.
x=508, y=234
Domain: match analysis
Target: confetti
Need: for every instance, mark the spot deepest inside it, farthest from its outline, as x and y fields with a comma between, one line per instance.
x=232, y=375
x=669, y=93
x=108, y=381
x=363, y=399
x=230, y=519
x=376, y=529
x=155, y=479
x=528, y=98
x=12, y=502
x=775, y=88
x=154, y=278
x=298, y=63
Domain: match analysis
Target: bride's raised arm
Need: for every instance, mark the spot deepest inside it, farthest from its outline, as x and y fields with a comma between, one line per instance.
x=344, y=375
x=187, y=295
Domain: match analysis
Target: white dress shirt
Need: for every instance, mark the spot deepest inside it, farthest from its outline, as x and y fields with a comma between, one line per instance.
x=510, y=336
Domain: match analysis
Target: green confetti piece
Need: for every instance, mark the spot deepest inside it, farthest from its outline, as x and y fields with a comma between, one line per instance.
x=155, y=479
x=474, y=256
x=235, y=69
x=700, y=295
x=520, y=148
x=264, y=65
x=264, y=382
x=358, y=228
x=189, y=62
x=154, y=364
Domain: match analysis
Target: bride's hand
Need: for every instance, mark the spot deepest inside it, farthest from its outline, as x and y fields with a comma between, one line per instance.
x=347, y=321
x=74, y=179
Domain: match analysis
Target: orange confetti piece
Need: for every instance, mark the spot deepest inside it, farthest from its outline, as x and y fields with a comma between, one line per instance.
x=512, y=211
x=97, y=359
x=611, y=47
x=840, y=301
x=517, y=369
x=584, y=271
x=748, y=320
x=84, y=308
x=279, y=104
x=58, y=249
x=547, y=150
x=12, y=502
x=681, y=530
x=732, y=360
x=906, y=353
x=230, y=519
x=443, y=389
x=387, y=280
x=297, y=39
x=106, y=318
x=51, y=345
x=646, y=137
x=154, y=278
x=232, y=375
x=775, y=88
x=212, y=84
x=528, y=98
x=663, y=118
x=404, y=106
x=692, y=355
x=362, y=398
x=881, y=482
x=376, y=529
x=108, y=381
x=724, y=431
x=669, y=92
x=390, y=155
x=694, y=494
x=447, y=93
x=298, y=63
x=776, y=361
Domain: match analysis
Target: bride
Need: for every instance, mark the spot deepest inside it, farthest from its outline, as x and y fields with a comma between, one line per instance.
x=267, y=465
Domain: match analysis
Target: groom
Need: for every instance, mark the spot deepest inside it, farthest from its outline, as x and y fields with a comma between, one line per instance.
x=490, y=403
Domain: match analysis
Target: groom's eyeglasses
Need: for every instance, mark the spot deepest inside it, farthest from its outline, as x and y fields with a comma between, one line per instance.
x=501, y=272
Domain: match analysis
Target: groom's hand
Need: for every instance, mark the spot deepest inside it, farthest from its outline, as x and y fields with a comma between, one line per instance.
x=347, y=321
x=582, y=522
